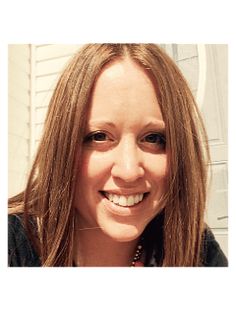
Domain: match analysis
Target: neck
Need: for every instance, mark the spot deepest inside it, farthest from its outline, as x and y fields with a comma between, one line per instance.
x=95, y=249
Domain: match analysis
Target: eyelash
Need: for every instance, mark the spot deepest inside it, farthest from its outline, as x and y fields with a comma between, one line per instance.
x=90, y=138
x=161, y=138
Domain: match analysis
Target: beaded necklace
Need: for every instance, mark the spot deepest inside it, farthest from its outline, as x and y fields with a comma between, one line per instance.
x=138, y=254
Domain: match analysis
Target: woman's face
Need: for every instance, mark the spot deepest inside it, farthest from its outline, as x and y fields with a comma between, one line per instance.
x=123, y=171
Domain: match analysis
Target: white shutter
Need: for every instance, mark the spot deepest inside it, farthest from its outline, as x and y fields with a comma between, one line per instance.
x=214, y=110
x=50, y=61
x=18, y=116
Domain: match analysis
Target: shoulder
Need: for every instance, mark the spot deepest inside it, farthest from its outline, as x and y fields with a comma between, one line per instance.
x=20, y=250
x=213, y=255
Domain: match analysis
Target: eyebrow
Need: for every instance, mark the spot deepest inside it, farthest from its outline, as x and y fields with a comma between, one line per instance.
x=160, y=124
x=101, y=122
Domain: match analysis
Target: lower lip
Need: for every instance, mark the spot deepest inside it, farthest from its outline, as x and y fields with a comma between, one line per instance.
x=123, y=211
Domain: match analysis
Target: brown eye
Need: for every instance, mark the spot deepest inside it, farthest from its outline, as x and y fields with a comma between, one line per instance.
x=99, y=136
x=96, y=137
x=155, y=138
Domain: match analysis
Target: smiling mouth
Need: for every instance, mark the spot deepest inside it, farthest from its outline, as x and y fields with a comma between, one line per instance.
x=125, y=201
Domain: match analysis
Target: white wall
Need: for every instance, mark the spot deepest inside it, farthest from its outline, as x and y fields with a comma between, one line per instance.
x=49, y=61
x=214, y=63
x=33, y=72
x=19, y=116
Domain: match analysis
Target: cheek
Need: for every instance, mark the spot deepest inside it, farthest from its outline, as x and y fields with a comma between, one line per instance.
x=91, y=173
x=93, y=166
x=157, y=167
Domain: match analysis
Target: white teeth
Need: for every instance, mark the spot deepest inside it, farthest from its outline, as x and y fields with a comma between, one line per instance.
x=130, y=201
x=115, y=199
x=122, y=200
x=136, y=199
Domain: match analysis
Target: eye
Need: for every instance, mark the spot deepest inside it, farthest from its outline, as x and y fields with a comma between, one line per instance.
x=96, y=137
x=157, y=140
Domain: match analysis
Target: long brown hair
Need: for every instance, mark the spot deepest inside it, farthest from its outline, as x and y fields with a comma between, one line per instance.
x=51, y=185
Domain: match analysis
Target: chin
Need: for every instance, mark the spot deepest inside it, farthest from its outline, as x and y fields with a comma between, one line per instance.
x=122, y=232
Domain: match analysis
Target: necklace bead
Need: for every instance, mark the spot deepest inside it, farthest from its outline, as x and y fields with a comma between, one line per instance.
x=136, y=260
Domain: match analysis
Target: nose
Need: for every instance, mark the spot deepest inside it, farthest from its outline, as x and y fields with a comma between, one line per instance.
x=127, y=163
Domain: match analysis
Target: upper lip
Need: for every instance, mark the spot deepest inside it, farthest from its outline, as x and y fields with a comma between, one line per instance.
x=124, y=192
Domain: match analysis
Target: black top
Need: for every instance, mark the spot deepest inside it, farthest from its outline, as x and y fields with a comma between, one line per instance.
x=20, y=250
x=22, y=254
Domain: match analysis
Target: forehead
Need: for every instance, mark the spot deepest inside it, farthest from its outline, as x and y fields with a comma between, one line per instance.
x=123, y=73
x=124, y=91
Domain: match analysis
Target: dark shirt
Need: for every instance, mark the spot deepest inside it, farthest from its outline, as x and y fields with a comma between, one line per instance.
x=20, y=250
x=22, y=254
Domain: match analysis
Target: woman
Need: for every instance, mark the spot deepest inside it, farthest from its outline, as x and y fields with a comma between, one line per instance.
x=120, y=175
